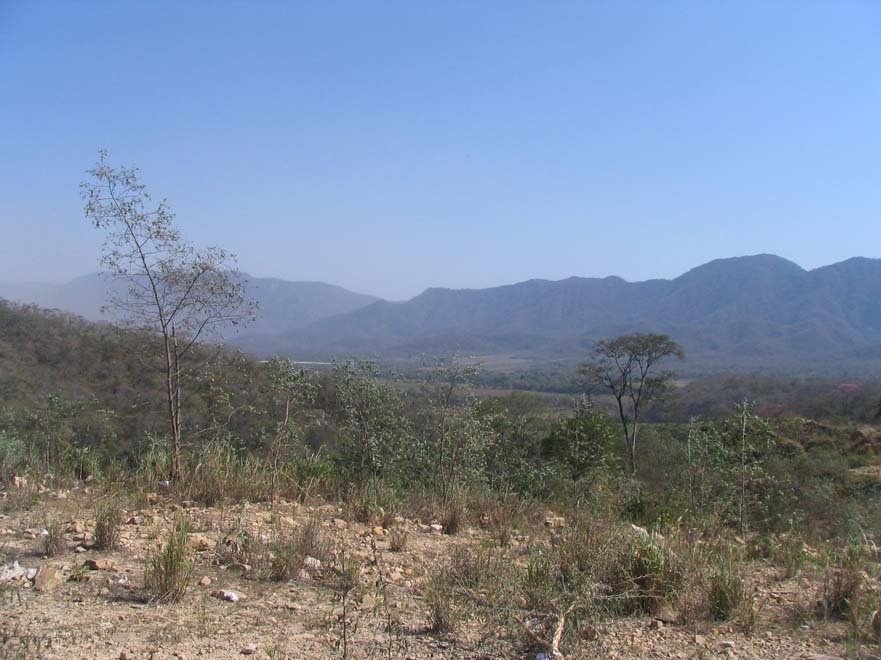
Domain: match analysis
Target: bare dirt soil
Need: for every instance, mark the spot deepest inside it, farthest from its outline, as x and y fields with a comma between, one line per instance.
x=83, y=603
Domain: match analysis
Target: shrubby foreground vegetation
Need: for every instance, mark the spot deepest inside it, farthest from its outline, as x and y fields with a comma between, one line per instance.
x=680, y=539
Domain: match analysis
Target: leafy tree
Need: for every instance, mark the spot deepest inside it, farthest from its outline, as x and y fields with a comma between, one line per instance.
x=371, y=420
x=168, y=286
x=297, y=390
x=627, y=367
x=514, y=461
x=727, y=467
x=456, y=431
x=583, y=441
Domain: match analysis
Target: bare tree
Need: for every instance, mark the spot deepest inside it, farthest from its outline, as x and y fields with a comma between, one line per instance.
x=166, y=285
x=624, y=366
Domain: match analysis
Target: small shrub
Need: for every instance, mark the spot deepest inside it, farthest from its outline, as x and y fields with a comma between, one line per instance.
x=473, y=569
x=286, y=562
x=242, y=548
x=843, y=584
x=312, y=541
x=471, y=573
x=539, y=582
x=789, y=552
x=54, y=542
x=499, y=520
x=841, y=588
x=108, y=522
x=290, y=553
x=346, y=571
x=647, y=575
x=726, y=593
x=452, y=519
x=170, y=570
x=398, y=540
x=443, y=615
x=386, y=518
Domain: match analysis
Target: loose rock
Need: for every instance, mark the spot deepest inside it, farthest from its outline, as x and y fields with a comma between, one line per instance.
x=224, y=594
x=48, y=579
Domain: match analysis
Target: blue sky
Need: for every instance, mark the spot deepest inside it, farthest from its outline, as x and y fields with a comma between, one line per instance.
x=390, y=146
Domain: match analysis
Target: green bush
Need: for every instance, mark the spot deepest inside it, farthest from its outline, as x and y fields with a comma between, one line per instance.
x=169, y=570
x=108, y=525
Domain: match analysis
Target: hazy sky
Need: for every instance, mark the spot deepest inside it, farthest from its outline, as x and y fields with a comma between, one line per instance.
x=389, y=146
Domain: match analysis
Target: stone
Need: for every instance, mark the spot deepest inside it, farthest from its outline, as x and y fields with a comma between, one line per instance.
x=249, y=649
x=224, y=594
x=79, y=549
x=726, y=644
x=205, y=581
x=700, y=640
x=12, y=572
x=312, y=564
x=339, y=523
x=378, y=531
x=667, y=614
x=100, y=565
x=656, y=624
x=436, y=528
x=200, y=542
x=48, y=579
x=555, y=522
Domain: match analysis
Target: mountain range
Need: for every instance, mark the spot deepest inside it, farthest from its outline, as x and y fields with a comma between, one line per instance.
x=284, y=306
x=755, y=313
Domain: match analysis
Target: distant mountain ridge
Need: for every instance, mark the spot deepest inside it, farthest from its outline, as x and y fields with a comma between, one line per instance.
x=284, y=305
x=758, y=312
x=761, y=313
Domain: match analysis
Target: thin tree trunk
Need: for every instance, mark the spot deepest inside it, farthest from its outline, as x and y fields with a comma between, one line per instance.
x=170, y=390
x=633, y=447
x=177, y=403
x=742, y=467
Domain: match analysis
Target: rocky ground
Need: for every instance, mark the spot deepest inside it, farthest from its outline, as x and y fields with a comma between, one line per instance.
x=83, y=603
